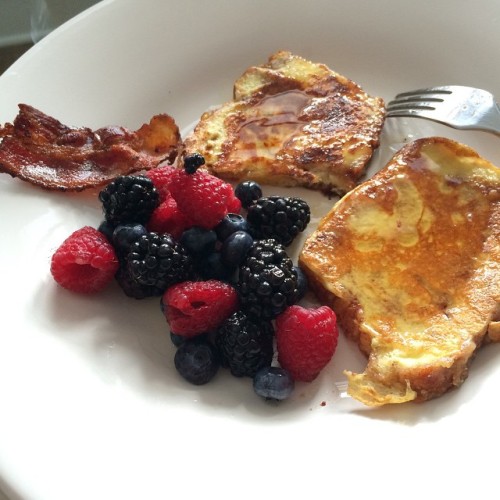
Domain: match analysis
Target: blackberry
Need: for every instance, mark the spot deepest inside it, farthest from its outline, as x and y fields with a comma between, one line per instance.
x=278, y=217
x=267, y=282
x=192, y=162
x=245, y=345
x=156, y=260
x=128, y=199
x=270, y=251
x=133, y=289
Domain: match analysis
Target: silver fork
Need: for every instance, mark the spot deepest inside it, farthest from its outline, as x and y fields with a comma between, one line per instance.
x=454, y=105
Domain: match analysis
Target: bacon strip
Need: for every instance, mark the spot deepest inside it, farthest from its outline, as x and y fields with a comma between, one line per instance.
x=41, y=150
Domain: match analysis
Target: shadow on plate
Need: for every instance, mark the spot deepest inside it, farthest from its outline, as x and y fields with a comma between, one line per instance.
x=126, y=343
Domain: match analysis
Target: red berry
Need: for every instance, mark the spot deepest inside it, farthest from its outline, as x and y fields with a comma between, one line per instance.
x=194, y=307
x=85, y=262
x=206, y=199
x=306, y=340
x=161, y=179
x=233, y=204
x=167, y=218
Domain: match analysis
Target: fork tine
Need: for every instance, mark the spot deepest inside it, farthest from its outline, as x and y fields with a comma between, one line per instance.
x=422, y=112
x=416, y=98
x=445, y=90
x=404, y=110
x=414, y=102
x=423, y=99
x=457, y=106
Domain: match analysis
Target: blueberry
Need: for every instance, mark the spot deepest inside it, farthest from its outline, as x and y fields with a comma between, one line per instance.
x=248, y=192
x=230, y=224
x=274, y=383
x=193, y=162
x=177, y=340
x=196, y=361
x=198, y=241
x=107, y=229
x=125, y=235
x=235, y=248
x=211, y=266
x=301, y=281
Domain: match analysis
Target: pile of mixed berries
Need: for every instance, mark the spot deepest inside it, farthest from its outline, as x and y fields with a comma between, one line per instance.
x=229, y=291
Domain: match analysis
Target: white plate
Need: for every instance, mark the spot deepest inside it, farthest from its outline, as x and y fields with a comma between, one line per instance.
x=91, y=405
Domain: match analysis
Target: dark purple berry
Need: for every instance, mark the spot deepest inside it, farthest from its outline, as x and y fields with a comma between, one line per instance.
x=198, y=241
x=177, y=340
x=245, y=345
x=273, y=383
x=157, y=260
x=128, y=199
x=278, y=217
x=230, y=224
x=235, y=248
x=267, y=283
x=125, y=235
x=107, y=228
x=211, y=266
x=193, y=162
x=248, y=192
x=196, y=360
x=302, y=282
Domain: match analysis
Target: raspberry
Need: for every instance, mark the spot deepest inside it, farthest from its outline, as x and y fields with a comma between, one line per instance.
x=206, y=199
x=306, y=340
x=195, y=307
x=233, y=204
x=167, y=218
x=85, y=262
x=161, y=179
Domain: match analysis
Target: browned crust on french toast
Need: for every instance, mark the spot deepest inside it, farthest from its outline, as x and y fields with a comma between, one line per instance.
x=421, y=306
x=292, y=122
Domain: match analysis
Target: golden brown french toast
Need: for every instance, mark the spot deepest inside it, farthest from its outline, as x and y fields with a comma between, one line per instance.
x=292, y=122
x=410, y=262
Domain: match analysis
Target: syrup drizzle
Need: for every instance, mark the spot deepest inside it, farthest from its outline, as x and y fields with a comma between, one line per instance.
x=269, y=125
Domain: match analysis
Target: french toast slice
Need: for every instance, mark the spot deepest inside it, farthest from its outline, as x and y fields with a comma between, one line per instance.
x=410, y=262
x=291, y=122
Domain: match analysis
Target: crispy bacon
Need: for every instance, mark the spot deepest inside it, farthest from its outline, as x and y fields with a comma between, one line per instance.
x=39, y=149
